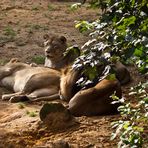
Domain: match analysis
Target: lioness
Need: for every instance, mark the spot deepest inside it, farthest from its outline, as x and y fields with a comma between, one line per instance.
x=34, y=82
x=55, y=47
x=92, y=101
x=121, y=72
x=28, y=82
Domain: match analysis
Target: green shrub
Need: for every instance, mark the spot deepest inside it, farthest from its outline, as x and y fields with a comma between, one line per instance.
x=9, y=31
x=50, y=7
x=38, y=59
x=131, y=128
x=21, y=105
x=31, y=113
x=121, y=33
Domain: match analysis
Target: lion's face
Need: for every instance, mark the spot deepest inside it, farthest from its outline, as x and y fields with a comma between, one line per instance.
x=55, y=47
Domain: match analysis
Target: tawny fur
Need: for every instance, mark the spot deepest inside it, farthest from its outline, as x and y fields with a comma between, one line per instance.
x=95, y=100
x=55, y=47
x=25, y=80
x=122, y=73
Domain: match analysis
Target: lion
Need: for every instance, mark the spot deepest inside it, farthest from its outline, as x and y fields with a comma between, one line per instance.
x=121, y=72
x=43, y=83
x=93, y=100
x=29, y=82
x=34, y=82
x=97, y=96
x=55, y=47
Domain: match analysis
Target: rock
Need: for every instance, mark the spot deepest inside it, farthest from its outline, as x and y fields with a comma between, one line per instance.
x=56, y=116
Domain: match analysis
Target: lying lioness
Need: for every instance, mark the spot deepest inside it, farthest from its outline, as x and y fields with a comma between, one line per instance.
x=36, y=82
x=28, y=82
x=92, y=101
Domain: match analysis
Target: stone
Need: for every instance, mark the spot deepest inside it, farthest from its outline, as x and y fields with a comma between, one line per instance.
x=55, y=116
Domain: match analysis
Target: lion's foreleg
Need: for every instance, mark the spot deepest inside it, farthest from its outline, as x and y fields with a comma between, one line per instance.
x=8, y=96
x=4, y=72
x=45, y=98
x=44, y=94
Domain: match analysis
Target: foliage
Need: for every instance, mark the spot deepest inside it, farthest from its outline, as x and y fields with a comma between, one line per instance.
x=121, y=33
x=123, y=28
x=94, y=63
x=134, y=119
x=9, y=31
x=21, y=105
x=75, y=6
x=83, y=26
x=50, y=7
x=31, y=113
x=38, y=59
x=72, y=50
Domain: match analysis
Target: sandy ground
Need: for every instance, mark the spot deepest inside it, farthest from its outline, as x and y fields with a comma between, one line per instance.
x=22, y=26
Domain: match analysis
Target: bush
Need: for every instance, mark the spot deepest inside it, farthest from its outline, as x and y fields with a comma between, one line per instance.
x=121, y=33
x=131, y=128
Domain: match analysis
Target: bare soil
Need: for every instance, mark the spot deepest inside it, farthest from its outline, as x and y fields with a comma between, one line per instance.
x=22, y=26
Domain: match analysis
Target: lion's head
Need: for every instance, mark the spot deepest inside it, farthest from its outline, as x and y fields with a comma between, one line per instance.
x=55, y=46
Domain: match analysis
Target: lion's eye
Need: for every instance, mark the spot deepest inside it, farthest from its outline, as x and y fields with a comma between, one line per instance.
x=46, y=43
x=55, y=46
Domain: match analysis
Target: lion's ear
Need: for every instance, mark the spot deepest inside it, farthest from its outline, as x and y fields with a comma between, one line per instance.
x=63, y=39
x=14, y=60
x=46, y=37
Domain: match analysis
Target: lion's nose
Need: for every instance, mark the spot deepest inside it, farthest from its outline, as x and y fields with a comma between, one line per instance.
x=47, y=50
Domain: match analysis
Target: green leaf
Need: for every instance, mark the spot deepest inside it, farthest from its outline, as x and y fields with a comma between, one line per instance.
x=129, y=21
x=126, y=125
x=139, y=129
x=113, y=136
x=146, y=100
x=139, y=52
x=111, y=77
x=91, y=72
x=132, y=3
x=75, y=6
x=83, y=26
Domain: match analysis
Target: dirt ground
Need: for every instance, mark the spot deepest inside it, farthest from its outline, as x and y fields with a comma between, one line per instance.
x=22, y=26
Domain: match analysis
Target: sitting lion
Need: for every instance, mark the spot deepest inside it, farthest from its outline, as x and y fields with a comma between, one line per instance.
x=28, y=82
x=55, y=47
